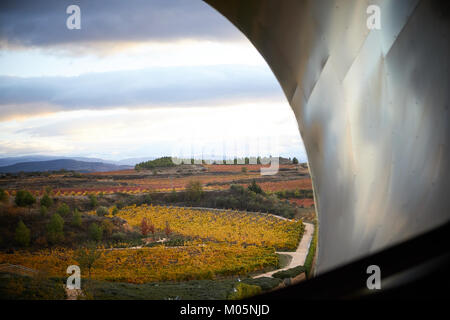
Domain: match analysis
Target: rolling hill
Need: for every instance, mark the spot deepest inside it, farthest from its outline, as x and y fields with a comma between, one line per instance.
x=59, y=164
x=8, y=161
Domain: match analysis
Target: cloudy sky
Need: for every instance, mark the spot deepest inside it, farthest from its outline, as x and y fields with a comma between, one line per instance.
x=140, y=78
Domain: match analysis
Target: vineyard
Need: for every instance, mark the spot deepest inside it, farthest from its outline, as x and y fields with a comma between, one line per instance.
x=131, y=182
x=233, y=227
x=218, y=244
x=142, y=225
x=298, y=184
x=140, y=186
x=194, y=261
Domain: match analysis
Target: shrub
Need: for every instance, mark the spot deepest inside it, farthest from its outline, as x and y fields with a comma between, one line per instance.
x=87, y=257
x=102, y=211
x=120, y=205
x=114, y=211
x=95, y=232
x=266, y=283
x=255, y=187
x=173, y=243
x=24, y=198
x=243, y=291
x=77, y=175
x=22, y=235
x=194, y=191
x=232, y=203
x=119, y=236
x=76, y=220
x=43, y=211
x=167, y=230
x=237, y=189
x=48, y=190
x=107, y=227
x=93, y=201
x=3, y=195
x=145, y=227
x=147, y=199
x=289, y=273
x=173, y=197
x=63, y=210
x=46, y=201
x=55, y=229
x=244, y=169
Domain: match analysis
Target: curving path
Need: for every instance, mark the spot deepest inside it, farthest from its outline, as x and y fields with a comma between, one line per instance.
x=299, y=256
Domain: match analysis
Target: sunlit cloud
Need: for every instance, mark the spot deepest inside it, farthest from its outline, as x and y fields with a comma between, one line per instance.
x=150, y=79
x=126, y=133
x=44, y=62
x=169, y=86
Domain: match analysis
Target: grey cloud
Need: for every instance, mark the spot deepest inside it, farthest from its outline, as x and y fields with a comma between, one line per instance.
x=43, y=23
x=158, y=86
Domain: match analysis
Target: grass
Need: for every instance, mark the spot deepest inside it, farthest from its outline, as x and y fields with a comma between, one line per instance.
x=311, y=252
x=189, y=290
x=244, y=290
x=289, y=273
x=20, y=287
x=284, y=260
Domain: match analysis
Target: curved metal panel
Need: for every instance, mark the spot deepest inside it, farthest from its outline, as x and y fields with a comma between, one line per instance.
x=372, y=108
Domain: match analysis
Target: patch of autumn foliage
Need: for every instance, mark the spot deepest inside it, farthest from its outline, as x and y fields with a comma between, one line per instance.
x=301, y=184
x=226, y=243
x=194, y=261
x=234, y=227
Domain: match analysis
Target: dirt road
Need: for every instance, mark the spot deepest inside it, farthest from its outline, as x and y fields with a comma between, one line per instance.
x=299, y=256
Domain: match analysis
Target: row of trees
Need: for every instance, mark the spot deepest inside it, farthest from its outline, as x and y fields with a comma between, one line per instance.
x=235, y=161
x=54, y=234
x=55, y=231
x=25, y=198
x=168, y=162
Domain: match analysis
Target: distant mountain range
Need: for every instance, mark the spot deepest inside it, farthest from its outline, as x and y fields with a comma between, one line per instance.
x=59, y=164
x=81, y=164
x=13, y=160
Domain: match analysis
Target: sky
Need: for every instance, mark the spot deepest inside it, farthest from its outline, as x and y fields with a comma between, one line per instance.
x=140, y=78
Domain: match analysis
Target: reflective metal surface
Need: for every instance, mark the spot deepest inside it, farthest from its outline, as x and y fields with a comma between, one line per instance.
x=372, y=108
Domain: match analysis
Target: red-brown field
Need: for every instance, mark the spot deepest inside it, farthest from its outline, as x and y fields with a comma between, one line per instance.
x=212, y=177
x=300, y=184
x=306, y=203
